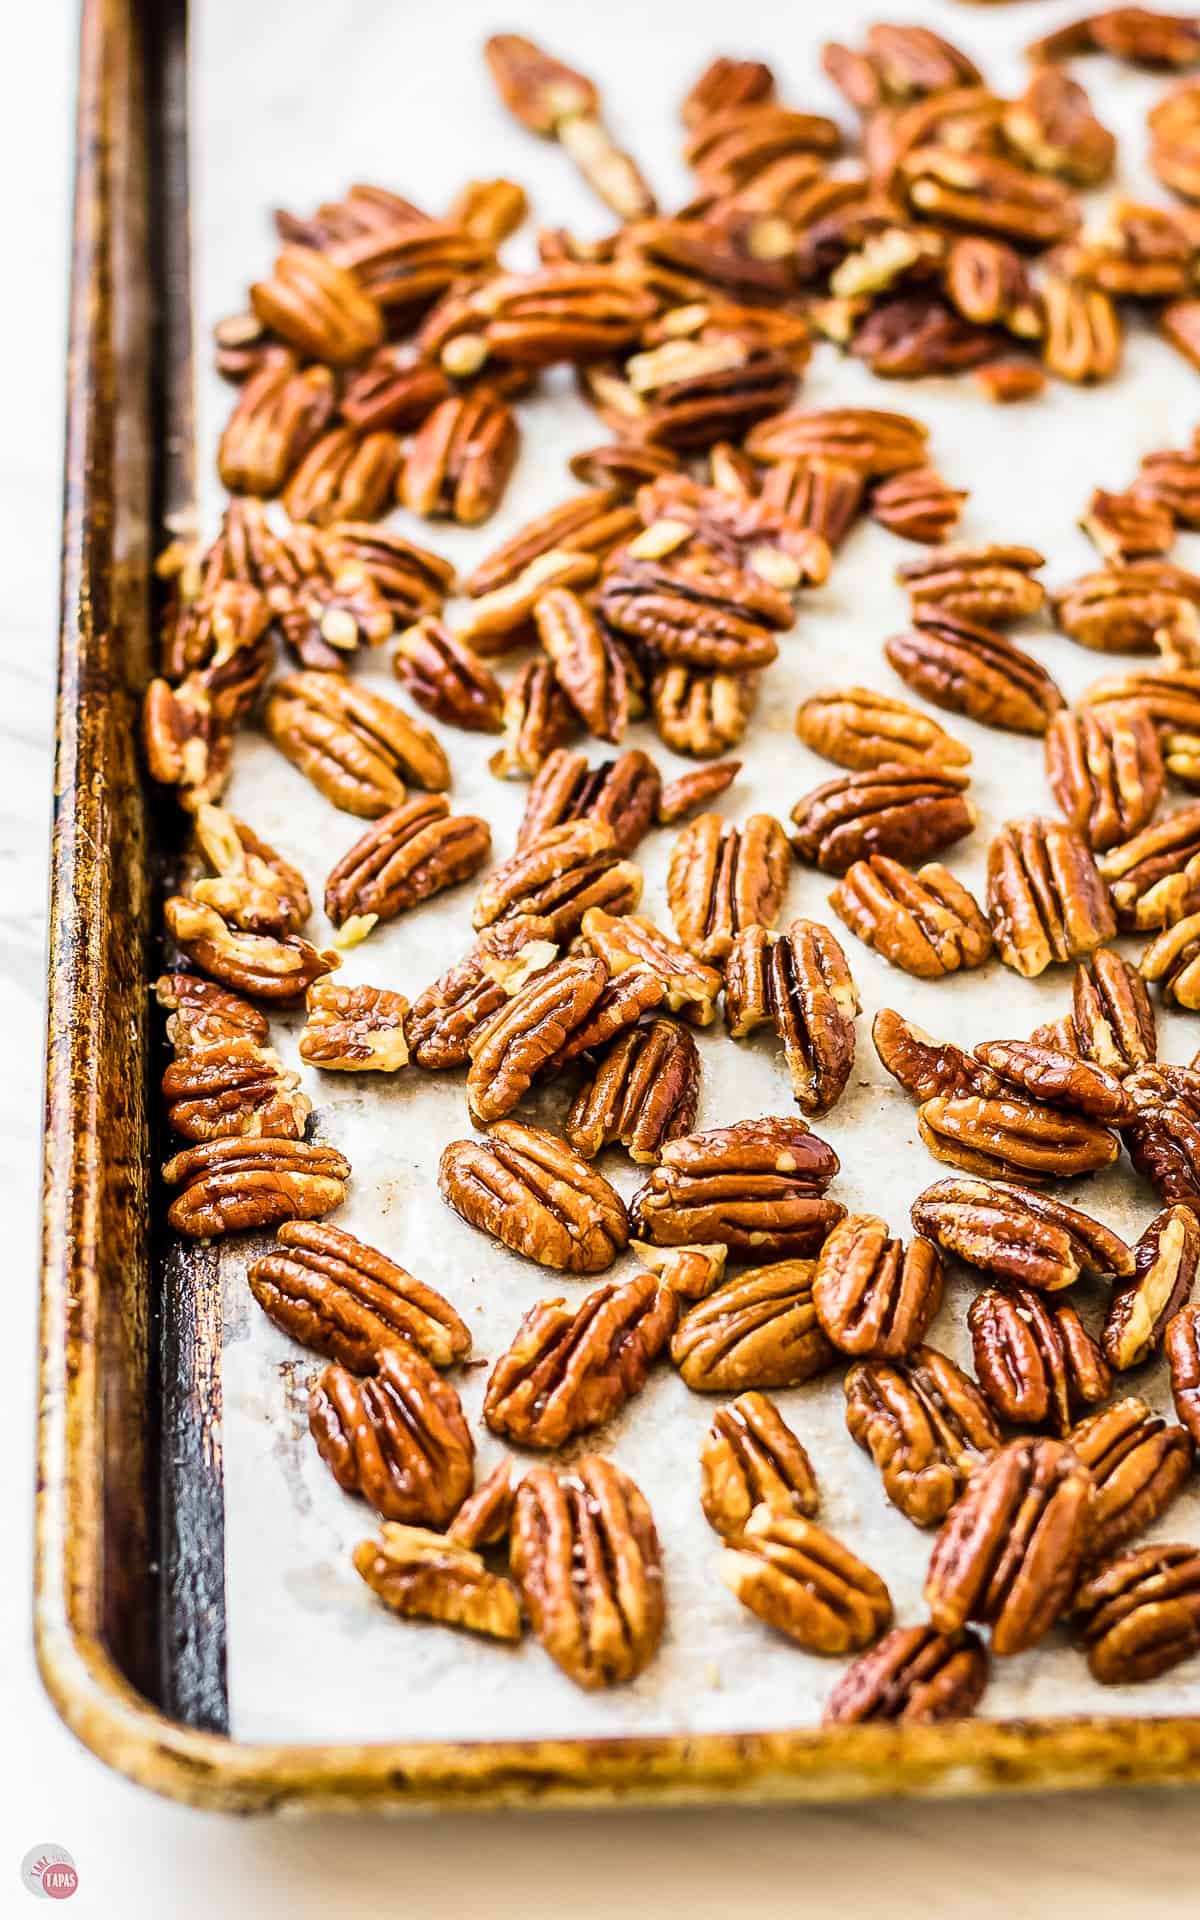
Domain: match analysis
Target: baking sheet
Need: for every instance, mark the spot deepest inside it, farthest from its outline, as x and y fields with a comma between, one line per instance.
x=289, y=106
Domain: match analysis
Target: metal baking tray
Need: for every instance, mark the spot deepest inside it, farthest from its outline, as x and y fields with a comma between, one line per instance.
x=132, y=1576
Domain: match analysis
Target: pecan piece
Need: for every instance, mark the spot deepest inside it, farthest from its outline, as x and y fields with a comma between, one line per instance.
x=804, y=1583
x=407, y=856
x=693, y=790
x=860, y=729
x=1046, y=901
x=801, y=984
x=571, y=1369
x=702, y=714
x=560, y=877
x=1168, y=483
x=718, y=619
x=643, y=1093
x=1058, y=1077
x=447, y=679
x=318, y=307
x=916, y=1676
x=723, y=878
x=1082, y=340
x=538, y=719
x=1170, y=962
x=445, y=1018
x=411, y=580
x=690, y=1272
x=1006, y=381
x=1139, y=1615
x=341, y=1298
x=622, y=793
x=234, y=1186
x=556, y=101
x=1111, y=1015
x=757, y=1187
x=873, y=1295
x=354, y=1029
x=1144, y=607
x=1154, y=878
x=964, y=668
x=925, y=1067
x=1002, y=1137
x=523, y=1036
x=255, y=888
x=1021, y=1237
x=280, y=412
x=1053, y=129
x=752, y=1458
x=869, y=439
x=896, y=810
x=200, y=1014
x=428, y=1576
x=1165, y=1260
x=485, y=1517
x=392, y=392
x=357, y=749
x=628, y=941
x=757, y=1331
x=1105, y=770
x=1128, y=526
x=267, y=966
x=345, y=476
x=1035, y=1363
x=533, y=1194
x=986, y=194
x=989, y=584
x=1138, y=1464
x=727, y=82
x=1163, y=1136
x=926, y=1426
x=592, y=522
x=1182, y=1343
x=587, y=664
x=927, y=923
x=233, y=1087
x=459, y=463
x=399, y=1437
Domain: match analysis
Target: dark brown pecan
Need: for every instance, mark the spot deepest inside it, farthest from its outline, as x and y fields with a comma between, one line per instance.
x=354, y=1029
x=1105, y=770
x=926, y=923
x=1138, y=1616
x=1053, y=129
x=504, y=618
x=1165, y=1260
x=627, y=941
x=399, y=1437
x=1021, y=1237
x=1163, y=1137
x=1035, y=1363
x=723, y=878
x=799, y=983
x=267, y=966
x=1128, y=526
x=860, y=729
x=1058, y=1077
x=757, y=1331
x=1046, y=901
x=569, y=1369
x=926, y=1426
x=1181, y=1341
x=340, y=1297
x=804, y=1583
x=925, y=1067
x=587, y=664
x=527, y=1031
x=1154, y=878
x=447, y=679
x=718, y=619
x=445, y=1018
x=622, y=793
x=902, y=811
x=990, y=584
x=533, y=1194
x=280, y=412
x=200, y=1014
x=757, y=1187
x=873, y=1295
x=318, y=307
x=989, y=283
x=254, y=887
x=459, y=462
x=233, y=1186
x=1111, y=1014
x=407, y=856
x=916, y=1676
x=965, y=668
x=910, y=335
x=1006, y=381
x=683, y=796
x=1138, y=1464
x=345, y=476
x=559, y=877
x=1009, y=1554
x=1143, y=607
x=233, y=1087
x=918, y=505
x=752, y=1458
x=357, y=749
x=702, y=714
x=1170, y=962
x=592, y=522
x=644, y=1092
x=538, y=718
x=429, y=1576
x=1002, y=1137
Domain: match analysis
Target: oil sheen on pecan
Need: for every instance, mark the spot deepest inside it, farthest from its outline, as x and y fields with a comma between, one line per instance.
x=333, y=1293
x=422, y=1575
x=926, y=1426
x=1182, y=1344
x=629, y=942
x=1018, y=1235
x=915, y=1677
x=757, y=1187
x=760, y=1330
x=970, y=669
x=723, y=878
x=926, y=923
x=1138, y=1616
x=906, y=812
x=874, y=1296
x=1138, y=1463
x=623, y=794
x=559, y=877
x=1035, y=1363
x=1105, y=770
x=1165, y=1261
x=354, y=1029
x=858, y=728
x=235, y=1186
x=408, y=855
x=643, y=1093
x=751, y=1458
x=801, y=985
x=1046, y=901
x=800, y=1580
x=532, y=1193
x=397, y=1437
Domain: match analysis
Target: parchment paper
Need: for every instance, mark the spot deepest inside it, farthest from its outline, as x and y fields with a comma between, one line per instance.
x=291, y=104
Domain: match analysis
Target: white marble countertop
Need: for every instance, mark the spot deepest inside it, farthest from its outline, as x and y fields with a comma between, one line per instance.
x=138, y=1857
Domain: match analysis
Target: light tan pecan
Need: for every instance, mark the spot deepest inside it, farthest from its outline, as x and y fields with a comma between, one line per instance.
x=918, y=505
x=1138, y=1463
x=914, y=1677
x=254, y=887
x=698, y=713
x=1128, y=526
x=235, y=1185
x=906, y=811
x=926, y=923
x=1047, y=902
x=1138, y=1616
x=586, y=1554
x=873, y=1295
x=429, y=1576
x=991, y=584
x=357, y=749
x=722, y=878
x=1128, y=609
x=860, y=729
x=804, y=1583
x=628, y=941
x=524, y=1035
x=531, y=1192
x=233, y=1086
x=559, y=877
x=1023, y=1238
x=592, y=522
x=200, y=1013
x=926, y=1426
x=752, y=1458
x=1168, y=483
x=407, y=856
x=447, y=678
x=800, y=984
x=537, y=720
x=345, y=476
x=718, y=618
x=354, y=1029
x=966, y=668
x=318, y=307
x=398, y=1437
x=445, y=1018
x=1003, y=1137
x=338, y=1296
x=1154, y=878
x=1181, y=1342
x=411, y=580
x=1170, y=962
x=622, y=793
x=280, y=412
x=1057, y=1076
x=1112, y=1018
x=570, y=1369
x=1082, y=341
x=644, y=1092
x=923, y=1066
x=691, y=1272
x=459, y=462
x=694, y=790
x=757, y=1187
x=267, y=966
x=1105, y=770
x=869, y=439
x=1035, y=1363
x=1165, y=1261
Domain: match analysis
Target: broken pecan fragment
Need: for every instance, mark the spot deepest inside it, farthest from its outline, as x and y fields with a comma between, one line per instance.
x=1057, y=1076
x=354, y=1029
x=398, y=1437
x=357, y=749
x=1138, y=1616
x=201, y=1014
x=1154, y=878
x=1163, y=1136
x=446, y=1017
x=537, y=720
x=447, y=679
x=1105, y=770
x=804, y=1583
x=722, y=878
x=860, y=729
x=727, y=82
x=234, y=1186
x=643, y=1093
x=694, y=790
x=1181, y=1341
x=318, y=307
x=916, y=1676
x=760, y=1330
x=757, y=1187
x=533, y=1194
x=524, y=1035
x=873, y=1295
x=429, y=1576
x=897, y=810
x=989, y=584
x=1144, y=607
x=586, y=1555
x=628, y=941
x=752, y=1458
x=690, y=1272
x=553, y=100
x=800, y=983
x=560, y=877
x=1053, y=129
x=702, y=714
x=1035, y=1363
x=1046, y=901
x=1170, y=963
x=485, y=1517
x=622, y=793
x=267, y=966
x=460, y=461
x=335, y=1294
x=910, y=335
x=923, y=1066
x=255, y=888
x=592, y=522
x=1128, y=526
x=1165, y=1260
x=405, y=857
x=569, y=1369
x=1003, y=1137
x=1111, y=1015
x=1138, y=1464
x=233, y=1087
x=926, y=1426
x=1006, y=381
x=926, y=923
x=1021, y=1237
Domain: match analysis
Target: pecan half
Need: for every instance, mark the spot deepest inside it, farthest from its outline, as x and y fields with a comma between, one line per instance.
x=1111, y=1014
x=1163, y=1136
x=723, y=878
x=233, y=1087
x=399, y=1437
x=354, y=1029
x=1138, y=608
x=1082, y=341
x=528, y=1031
x=586, y=1554
x=1139, y=35
x=357, y=749
x=916, y=1676
x=592, y=522
x=552, y=99
x=622, y=793
x=1138, y=1464
x=990, y=584
x=800, y=983
x=1138, y=1616
x=918, y=505
x=1046, y=901
x=318, y=307
x=447, y=679
x=1168, y=483
x=1170, y=962
x=1021, y=1237
x=445, y=1018
x=681, y=797
x=926, y=1426
x=338, y=1296
x=860, y=729
x=690, y=1272
x=392, y=391
x=901, y=811
x=820, y=495
x=927, y=923
x=233, y=1186
x=255, y=888
x=504, y=618
x=988, y=282
x=1002, y=1137
x=1053, y=129
x=718, y=619
x=587, y=664
x=429, y=1576
x=345, y=476
x=1165, y=1260
x=628, y=941
x=1105, y=770
x=726, y=82
x=1058, y=1077
x=804, y=1583
x=702, y=714
x=986, y=194
x=752, y=1458
x=201, y=1013
x=571, y=1369
x=965, y=668
x=1128, y=526
x=1035, y=1363
x=757, y=1187
x=280, y=412
x=873, y=1295
x=925, y=1067
x=411, y=580
x=643, y=1093
x=872, y=441
x=757, y=1331
x=460, y=461
x=407, y=856
x=267, y=966
x=560, y=877
x=1181, y=1341
x=533, y=1194
x=1154, y=878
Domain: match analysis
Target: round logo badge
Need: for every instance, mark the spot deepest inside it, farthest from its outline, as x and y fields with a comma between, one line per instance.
x=49, y=1872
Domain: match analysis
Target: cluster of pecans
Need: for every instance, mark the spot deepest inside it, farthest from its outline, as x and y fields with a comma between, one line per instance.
x=384, y=360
